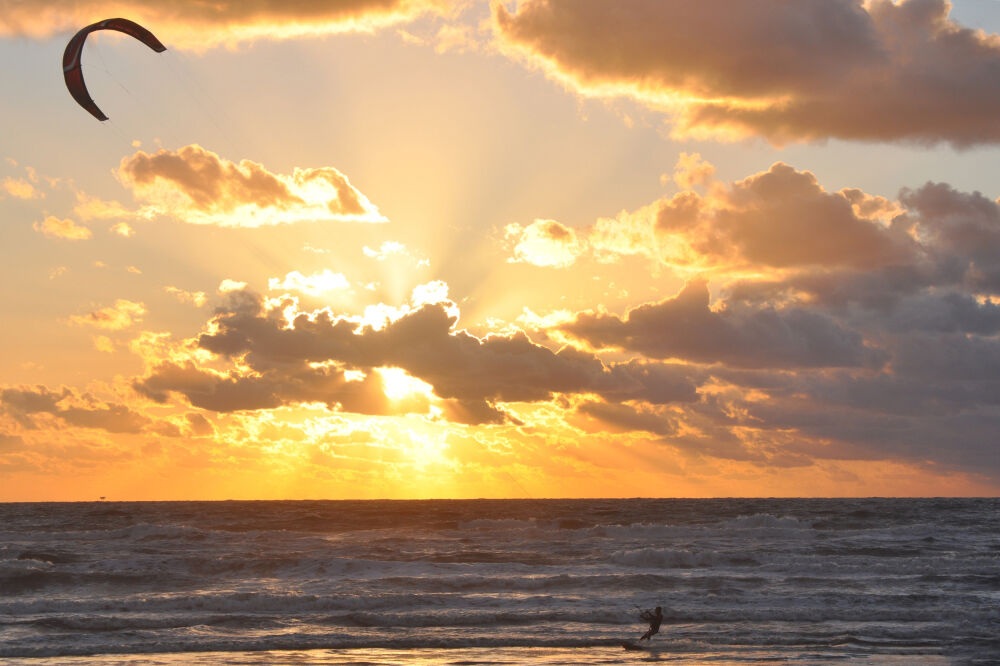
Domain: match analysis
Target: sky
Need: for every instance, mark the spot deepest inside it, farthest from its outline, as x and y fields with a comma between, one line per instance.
x=535, y=248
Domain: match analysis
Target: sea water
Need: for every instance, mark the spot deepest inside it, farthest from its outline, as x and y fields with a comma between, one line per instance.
x=506, y=581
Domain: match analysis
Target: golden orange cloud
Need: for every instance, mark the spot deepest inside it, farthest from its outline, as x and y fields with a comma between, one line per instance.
x=692, y=171
x=20, y=189
x=53, y=227
x=122, y=314
x=198, y=186
x=196, y=25
x=196, y=298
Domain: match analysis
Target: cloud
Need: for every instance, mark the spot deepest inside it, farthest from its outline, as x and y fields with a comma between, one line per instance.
x=944, y=240
x=103, y=343
x=622, y=419
x=198, y=186
x=808, y=70
x=691, y=171
x=20, y=188
x=196, y=298
x=275, y=387
x=316, y=284
x=227, y=285
x=780, y=219
x=199, y=425
x=939, y=311
x=123, y=229
x=122, y=314
x=311, y=359
x=70, y=409
x=544, y=243
x=435, y=291
x=943, y=422
x=192, y=24
x=961, y=231
x=66, y=228
x=388, y=250
x=457, y=39
x=684, y=327
x=785, y=218
x=89, y=207
x=942, y=357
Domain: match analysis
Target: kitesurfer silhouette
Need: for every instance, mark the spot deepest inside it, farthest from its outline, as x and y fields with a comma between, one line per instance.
x=654, y=623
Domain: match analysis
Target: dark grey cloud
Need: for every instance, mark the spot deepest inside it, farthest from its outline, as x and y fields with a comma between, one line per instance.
x=627, y=418
x=947, y=357
x=83, y=411
x=936, y=420
x=684, y=327
x=307, y=361
x=960, y=230
x=272, y=388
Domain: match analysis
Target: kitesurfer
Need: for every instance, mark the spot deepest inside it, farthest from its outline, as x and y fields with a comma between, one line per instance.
x=654, y=623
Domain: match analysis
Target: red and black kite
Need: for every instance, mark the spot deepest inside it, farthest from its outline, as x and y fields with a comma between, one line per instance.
x=71, y=57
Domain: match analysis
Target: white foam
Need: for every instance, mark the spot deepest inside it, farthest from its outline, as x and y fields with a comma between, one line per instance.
x=765, y=521
x=663, y=558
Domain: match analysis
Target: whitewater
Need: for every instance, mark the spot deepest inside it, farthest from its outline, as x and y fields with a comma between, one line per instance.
x=500, y=581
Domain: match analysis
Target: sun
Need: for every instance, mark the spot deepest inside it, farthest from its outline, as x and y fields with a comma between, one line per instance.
x=397, y=384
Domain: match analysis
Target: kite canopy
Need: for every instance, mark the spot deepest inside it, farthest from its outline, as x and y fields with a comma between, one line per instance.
x=71, y=57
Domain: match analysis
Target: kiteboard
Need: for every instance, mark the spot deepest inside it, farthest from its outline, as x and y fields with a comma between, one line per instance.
x=632, y=645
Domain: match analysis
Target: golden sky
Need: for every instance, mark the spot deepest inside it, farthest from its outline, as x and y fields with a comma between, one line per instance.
x=547, y=248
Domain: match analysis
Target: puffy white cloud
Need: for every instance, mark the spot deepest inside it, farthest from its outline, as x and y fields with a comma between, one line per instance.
x=228, y=285
x=314, y=285
x=544, y=243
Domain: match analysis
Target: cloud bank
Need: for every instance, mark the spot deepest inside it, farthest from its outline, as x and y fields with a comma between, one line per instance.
x=787, y=71
x=314, y=358
x=826, y=325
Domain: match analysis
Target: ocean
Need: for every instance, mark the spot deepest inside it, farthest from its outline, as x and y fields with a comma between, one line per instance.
x=898, y=581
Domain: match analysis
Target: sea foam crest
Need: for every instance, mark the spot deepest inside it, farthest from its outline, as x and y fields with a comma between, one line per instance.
x=148, y=532
x=22, y=567
x=766, y=521
x=498, y=524
x=662, y=558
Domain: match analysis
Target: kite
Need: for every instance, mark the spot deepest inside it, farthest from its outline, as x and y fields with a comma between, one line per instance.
x=71, y=57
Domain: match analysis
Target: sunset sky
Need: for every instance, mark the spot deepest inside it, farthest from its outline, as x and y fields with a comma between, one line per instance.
x=547, y=248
